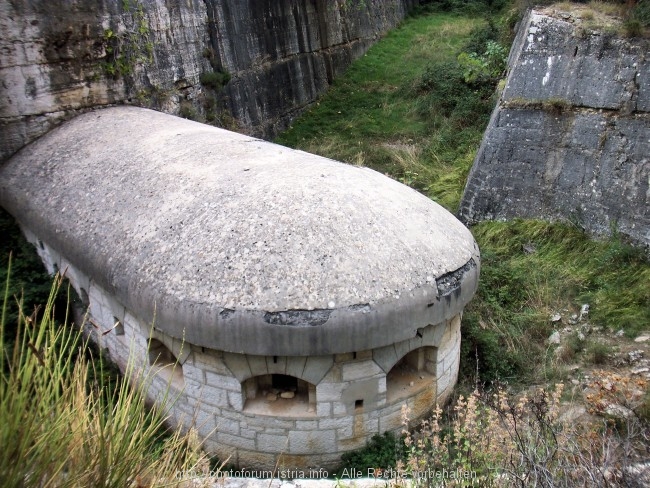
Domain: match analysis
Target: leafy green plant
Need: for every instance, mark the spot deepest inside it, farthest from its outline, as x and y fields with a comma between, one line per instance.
x=482, y=34
x=382, y=451
x=129, y=46
x=487, y=67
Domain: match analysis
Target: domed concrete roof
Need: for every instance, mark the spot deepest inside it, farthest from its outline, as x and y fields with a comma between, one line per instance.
x=236, y=243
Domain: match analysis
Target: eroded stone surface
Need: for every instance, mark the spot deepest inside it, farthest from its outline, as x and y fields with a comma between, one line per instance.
x=55, y=59
x=216, y=230
x=570, y=137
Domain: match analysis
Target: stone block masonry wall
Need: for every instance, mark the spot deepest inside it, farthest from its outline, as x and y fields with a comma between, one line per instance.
x=570, y=137
x=448, y=360
x=352, y=396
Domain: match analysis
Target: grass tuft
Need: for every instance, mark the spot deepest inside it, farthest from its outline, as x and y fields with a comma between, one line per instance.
x=60, y=428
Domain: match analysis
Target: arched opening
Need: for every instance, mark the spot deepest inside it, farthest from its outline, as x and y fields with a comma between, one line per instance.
x=412, y=374
x=165, y=364
x=279, y=395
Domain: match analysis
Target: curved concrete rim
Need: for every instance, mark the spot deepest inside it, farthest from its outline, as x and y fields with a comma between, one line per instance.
x=239, y=244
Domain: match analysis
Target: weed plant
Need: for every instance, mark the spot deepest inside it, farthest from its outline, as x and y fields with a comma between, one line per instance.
x=503, y=440
x=60, y=429
x=499, y=439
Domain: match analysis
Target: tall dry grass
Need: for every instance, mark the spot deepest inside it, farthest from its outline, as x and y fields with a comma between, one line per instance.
x=501, y=440
x=61, y=426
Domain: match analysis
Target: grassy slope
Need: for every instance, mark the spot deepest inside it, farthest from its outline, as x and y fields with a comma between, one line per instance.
x=378, y=116
x=374, y=115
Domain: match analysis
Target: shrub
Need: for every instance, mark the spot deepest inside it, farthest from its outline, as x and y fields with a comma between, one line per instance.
x=485, y=68
x=598, y=353
x=382, y=451
x=641, y=13
x=480, y=36
x=499, y=439
x=443, y=84
x=443, y=92
x=215, y=80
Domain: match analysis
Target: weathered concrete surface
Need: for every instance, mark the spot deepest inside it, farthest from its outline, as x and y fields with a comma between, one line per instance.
x=59, y=57
x=284, y=54
x=226, y=238
x=570, y=136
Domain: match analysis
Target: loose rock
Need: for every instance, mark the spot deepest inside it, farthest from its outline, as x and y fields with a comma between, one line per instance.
x=554, y=338
x=634, y=356
x=618, y=411
x=640, y=370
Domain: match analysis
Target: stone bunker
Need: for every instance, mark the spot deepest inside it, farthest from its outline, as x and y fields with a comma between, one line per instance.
x=291, y=303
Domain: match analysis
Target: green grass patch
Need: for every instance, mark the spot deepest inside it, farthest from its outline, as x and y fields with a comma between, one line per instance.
x=381, y=451
x=31, y=283
x=404, y=109
x=531, y=269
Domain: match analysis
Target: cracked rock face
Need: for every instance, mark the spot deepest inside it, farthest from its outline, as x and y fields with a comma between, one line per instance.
x=224, y=237
x=570, y=137
x=56, y=59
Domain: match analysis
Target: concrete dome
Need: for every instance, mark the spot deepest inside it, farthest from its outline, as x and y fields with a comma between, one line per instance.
x=238, y=244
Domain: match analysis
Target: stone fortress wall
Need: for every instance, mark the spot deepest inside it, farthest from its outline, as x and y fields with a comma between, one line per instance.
x=350, y=396
x=60, y=58
x=302, y=300
x=569, y=139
